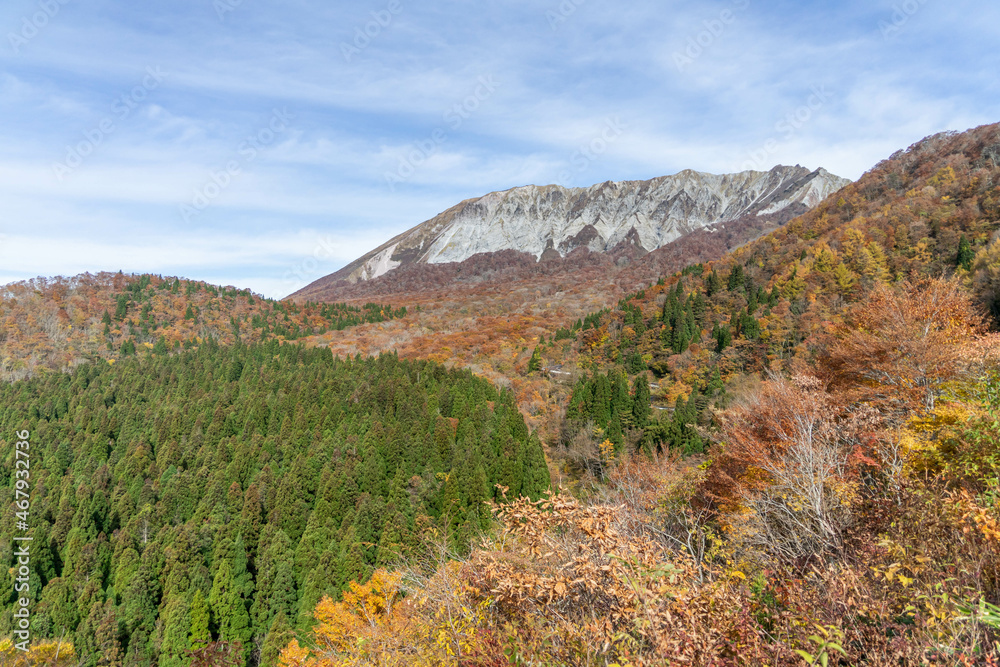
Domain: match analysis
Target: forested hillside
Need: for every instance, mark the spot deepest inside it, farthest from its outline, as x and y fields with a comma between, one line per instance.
x=932, y=211
x=59, y=323
x=815, y=482
x=789, y=455
x=217, y=494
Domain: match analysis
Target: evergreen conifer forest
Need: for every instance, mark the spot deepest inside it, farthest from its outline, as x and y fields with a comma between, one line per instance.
x=219, y=494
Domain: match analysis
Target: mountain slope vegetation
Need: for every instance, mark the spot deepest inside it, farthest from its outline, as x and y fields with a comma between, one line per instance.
x=819, y=486
x=216, y=495
x=773, y=304
x=784, y=455
x=59, y=323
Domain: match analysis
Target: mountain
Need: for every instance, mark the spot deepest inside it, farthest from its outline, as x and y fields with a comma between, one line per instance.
x=551, y=221
x=52, y=324
x=905, y=218
x=484, y=312
x=838, y=386
x=932, y=211
x=211, y=492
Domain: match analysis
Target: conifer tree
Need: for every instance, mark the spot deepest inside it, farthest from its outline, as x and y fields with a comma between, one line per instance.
x=278, y=637
x=712, y=284
x=642, y=405
x=773, y=297
x=200, y=635
x=83, y=641
x=390, y=546
x=723, y=337
x=736, y=278
x=535, y=364
x=615, y=433
x=535, y=478
x=965, y=254
x=273, y=591
x=140, y=600
x=229, y=608
x=107, y=638
x=715, y=384
x=750, y=327
x=635, y=362
x=175, y=629
x=600, y=406
x=283, y=592
x=161, y=346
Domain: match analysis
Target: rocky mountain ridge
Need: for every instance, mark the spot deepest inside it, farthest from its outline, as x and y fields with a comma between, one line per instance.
x=552, y=221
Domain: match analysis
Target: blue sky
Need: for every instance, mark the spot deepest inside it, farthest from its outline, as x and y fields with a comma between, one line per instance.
x=265, y=144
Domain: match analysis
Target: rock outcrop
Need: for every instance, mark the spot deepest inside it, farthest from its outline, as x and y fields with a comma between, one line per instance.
x=546, y=221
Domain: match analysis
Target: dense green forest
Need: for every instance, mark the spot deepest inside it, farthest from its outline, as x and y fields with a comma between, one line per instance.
x=218, y=493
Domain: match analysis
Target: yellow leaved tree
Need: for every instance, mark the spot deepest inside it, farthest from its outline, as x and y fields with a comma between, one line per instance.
x=48, y=653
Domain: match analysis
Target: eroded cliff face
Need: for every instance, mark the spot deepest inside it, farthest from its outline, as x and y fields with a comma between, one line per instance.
x=549, y=220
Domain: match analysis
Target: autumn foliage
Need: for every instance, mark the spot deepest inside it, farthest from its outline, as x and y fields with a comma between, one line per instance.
x=822, y=548
x=847, y=508
x=41, y=654
x=911, y=340
x=60, y=323
x=786, y=455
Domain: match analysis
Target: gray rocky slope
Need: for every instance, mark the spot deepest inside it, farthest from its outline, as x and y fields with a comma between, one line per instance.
x=547, y=221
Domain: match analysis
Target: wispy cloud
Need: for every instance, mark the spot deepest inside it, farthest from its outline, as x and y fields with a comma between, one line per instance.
x=356, y=118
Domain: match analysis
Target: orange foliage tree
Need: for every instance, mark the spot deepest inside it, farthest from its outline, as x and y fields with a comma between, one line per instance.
x=909, y=341
x=789, y=467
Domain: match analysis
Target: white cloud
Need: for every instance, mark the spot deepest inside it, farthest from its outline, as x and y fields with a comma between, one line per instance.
x=355, y=120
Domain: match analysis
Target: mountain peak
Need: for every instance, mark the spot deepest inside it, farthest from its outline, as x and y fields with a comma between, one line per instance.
x=548, y=219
